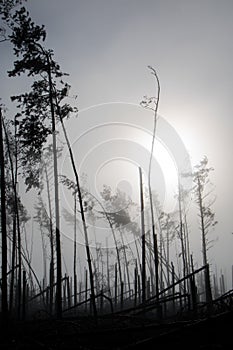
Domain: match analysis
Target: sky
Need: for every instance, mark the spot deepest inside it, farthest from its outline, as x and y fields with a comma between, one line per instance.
x=106, y=46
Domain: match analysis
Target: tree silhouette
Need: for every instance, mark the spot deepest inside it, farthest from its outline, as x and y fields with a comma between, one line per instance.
x=152, y=103
x=37, y=118
x=202, y=194
x=206, y=215
x=3, y=227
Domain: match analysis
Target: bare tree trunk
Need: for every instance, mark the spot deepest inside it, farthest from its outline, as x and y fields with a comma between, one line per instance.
x=122, y=295
x=155, y=244
x=75, y=249
x=139, y=289
x=173, y=286
x=168, y=256
x=51, y=269
x=151, y=263
x=125, y=258
x=88, y=253
x=24, y=295
x=13, y=256
x=19, y=259
x=102, y=268
x=68, y=291
x=3, y=227
x=204, y=249
x=44, y=257
x=143, y=240
x=160, y=252
x=135, y=285
x=204, y=254
x=156, y=259
x=108, y=272
x=187, y=244
x=56, y=190
x=115, y=286
x=182, y=240
x=86, y=283
x=16, y=235
x=232, y=276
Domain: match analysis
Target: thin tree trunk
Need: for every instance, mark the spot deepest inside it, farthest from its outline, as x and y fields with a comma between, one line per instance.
x=16, y=224
x=139, y=289
x=155, y=244
x=44, y=257
x=187, y=244
x=125, y=258
x=173, y=286
x=116, y=294
x=160, y=252
x=202, y=223
x=151, y=262
x=232, y=276
x=168, y=255
x=56, y=190
x=122, y=295
x=135, y=285
x=181, y=234
x=143, y=240
x=24, y=295
x=18, y=227
x=88, y=253
x=75, y=249
x=13, y=256
x=86, y=277
x=51, y=269
x=68, y=292
x=108, y=272
x=102, y=268
x=19, y=260
x=204, y=250
x=3, y=226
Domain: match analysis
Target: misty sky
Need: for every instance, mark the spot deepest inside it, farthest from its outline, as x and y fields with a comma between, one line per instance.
x=106, y=46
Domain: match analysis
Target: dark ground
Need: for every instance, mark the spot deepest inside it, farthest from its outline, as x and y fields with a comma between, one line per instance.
x=122, y=332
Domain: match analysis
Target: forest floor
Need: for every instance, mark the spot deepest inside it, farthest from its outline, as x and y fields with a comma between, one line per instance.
x=119, y=332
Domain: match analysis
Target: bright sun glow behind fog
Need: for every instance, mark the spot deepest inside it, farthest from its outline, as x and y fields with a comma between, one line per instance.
x=111, y=152
x=168, y=168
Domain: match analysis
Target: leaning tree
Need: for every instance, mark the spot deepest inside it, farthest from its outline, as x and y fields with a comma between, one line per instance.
x=41, y=108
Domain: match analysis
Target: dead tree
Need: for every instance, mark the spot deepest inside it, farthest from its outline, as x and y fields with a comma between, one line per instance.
x=3, y=226
x=148, y=103
x=143, y=273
